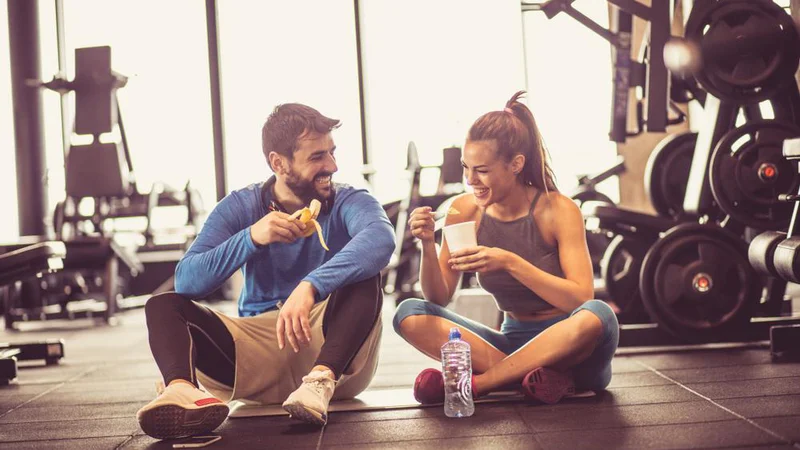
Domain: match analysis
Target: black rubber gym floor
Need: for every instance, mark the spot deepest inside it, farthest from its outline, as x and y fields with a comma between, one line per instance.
x=728, y=397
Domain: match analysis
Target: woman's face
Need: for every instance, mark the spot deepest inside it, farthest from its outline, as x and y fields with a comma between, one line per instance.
x=490, y=177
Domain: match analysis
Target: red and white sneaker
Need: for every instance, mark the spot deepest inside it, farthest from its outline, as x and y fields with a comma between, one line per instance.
x=548, y=385
x=181, y=410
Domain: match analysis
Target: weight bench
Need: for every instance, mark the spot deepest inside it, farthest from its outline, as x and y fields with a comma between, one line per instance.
x=80, y=254
x=16, y=265
x=634, y=234
x=623, y=221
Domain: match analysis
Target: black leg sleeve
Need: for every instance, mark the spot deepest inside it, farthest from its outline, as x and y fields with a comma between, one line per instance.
x=351, y=313
x=185, y=335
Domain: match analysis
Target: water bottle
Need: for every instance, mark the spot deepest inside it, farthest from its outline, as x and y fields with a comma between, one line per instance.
x=457, y=372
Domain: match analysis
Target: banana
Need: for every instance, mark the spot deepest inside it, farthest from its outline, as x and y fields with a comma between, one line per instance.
x=308, y=215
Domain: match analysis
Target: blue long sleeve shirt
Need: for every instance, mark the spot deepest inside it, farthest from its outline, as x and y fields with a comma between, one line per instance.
x=356, y=229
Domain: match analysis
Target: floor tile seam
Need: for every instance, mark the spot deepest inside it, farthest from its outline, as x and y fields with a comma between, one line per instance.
x=683, y=349
x=728, y=410
x=514, y=410
x=757, y=396
x=771, y=416
x=64, y=439
x=651, y=425
x=126, y=441
x=637, y=386
x=319, y=439
x=42, y=394
x=67, y=420
x=527, y=433
x=628, y=405
x=576, y=406
x=739, y=379
x=746, y=364
x=67, y=439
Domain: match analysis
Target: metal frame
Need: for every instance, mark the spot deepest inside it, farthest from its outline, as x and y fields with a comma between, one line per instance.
x=23, y=33
x=217, y=122
x=61, y=44
x=656, y=77
x=367, y=171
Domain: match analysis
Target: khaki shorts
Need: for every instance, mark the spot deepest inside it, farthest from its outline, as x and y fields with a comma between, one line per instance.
x=266, y=375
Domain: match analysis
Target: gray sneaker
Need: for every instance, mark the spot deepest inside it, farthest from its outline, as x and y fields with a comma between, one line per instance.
x=310, y=401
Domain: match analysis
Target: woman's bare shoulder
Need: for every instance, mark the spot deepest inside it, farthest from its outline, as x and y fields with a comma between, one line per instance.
x=560, y=205
x=463, y=209
x=557, y=213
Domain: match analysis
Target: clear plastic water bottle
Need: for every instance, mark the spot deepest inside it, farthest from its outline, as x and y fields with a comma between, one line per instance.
x=457, y=372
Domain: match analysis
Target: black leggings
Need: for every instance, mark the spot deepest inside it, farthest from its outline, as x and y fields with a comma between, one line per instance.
x=185, y=335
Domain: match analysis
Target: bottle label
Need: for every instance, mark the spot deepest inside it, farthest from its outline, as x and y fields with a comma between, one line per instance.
x=465, y=387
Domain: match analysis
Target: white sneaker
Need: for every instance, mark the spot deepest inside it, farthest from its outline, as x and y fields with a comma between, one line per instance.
x=181, y=410
x=309, y=402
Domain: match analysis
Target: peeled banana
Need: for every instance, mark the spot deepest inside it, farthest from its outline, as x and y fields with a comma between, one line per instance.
x=308, y=215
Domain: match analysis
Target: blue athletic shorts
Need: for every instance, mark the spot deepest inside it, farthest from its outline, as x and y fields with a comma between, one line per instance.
x=594, y=373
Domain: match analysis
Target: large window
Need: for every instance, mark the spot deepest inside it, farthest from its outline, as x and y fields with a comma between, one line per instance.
x=162, y=47
x=8, y=180
x=430, y=69
x=569, y=84
x=275, y=52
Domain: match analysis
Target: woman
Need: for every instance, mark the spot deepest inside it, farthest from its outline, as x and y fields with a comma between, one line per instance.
x=531, y=256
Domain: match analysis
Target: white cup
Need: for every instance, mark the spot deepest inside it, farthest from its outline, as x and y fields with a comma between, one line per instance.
x=460, y=236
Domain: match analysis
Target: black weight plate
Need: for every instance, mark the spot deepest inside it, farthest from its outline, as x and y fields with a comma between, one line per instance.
x=671, y=283
x=667, y=172
x=736, y=174
x=619, y=269
x=749, y=49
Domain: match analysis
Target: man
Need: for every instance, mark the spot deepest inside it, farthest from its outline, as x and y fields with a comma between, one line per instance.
x=303, y=309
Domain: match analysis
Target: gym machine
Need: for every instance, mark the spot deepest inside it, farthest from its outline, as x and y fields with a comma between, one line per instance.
x=95, y=266
x=103, y=173
x=20, y=264
x=775, y=254
x=749, y=53
x=687, y=270
x=101, y=274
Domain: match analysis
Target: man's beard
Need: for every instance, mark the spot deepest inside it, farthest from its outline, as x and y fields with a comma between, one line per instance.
x=307, y=190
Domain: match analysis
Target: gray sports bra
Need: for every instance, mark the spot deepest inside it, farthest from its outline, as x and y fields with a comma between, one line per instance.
x=520, y=236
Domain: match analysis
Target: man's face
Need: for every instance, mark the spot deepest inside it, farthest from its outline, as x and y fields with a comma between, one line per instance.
x=311, y=168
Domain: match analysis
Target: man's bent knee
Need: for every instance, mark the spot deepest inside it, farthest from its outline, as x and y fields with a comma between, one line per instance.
x=370, y=288
x=160, y=302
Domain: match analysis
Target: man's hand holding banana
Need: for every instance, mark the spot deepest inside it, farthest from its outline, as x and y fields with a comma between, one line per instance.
x=281, y=227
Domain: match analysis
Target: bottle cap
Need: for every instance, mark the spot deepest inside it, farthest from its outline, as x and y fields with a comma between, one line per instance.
x=455, y=333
